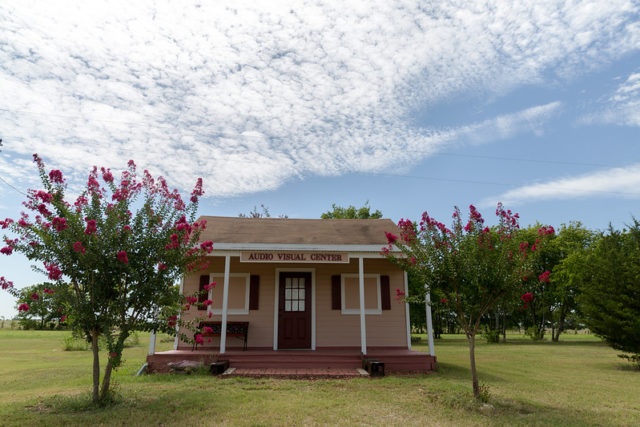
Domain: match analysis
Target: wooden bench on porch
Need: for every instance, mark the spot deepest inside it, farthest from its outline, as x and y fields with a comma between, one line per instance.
x=234, y=329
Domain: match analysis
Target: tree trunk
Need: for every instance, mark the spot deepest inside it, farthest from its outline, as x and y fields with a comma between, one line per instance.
x=504, y=326
x=96, y=366
x=555, y=337
x=472, y=360
x=106, y=381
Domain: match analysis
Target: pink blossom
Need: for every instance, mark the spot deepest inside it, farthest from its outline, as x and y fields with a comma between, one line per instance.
x=56, y=176
x=23, y=307
x=443, y=300
x=207, y=246
x=210, y=313
x=527, y=297
x=171, y=321
x=48, y=291
x=161, y=267
x=191, y=300
x=413, y=260
x=42, y=208
x=91, y=227
x=399, y=294
x=197, y=191
x=54, y=271
x=106, y=175
x=77, y=247
x=544, y=277
x=391, y=238
x=59, y=224
x=207, y=302
x=4, y=224
x=122, y=257
x=126, y=228
x=35, y=296
x=44, y=196
x=4, y=283
x=63, y=319
x=7, y=250
x=199, y=339
x=209, y=286
x=207, y=330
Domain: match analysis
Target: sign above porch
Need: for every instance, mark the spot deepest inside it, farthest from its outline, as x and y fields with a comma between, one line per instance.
x=295, y=257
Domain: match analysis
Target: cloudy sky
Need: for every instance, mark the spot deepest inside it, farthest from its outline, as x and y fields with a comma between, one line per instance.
x=410, y=105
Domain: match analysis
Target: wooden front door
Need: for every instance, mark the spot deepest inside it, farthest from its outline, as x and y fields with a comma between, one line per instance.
x=294, y=310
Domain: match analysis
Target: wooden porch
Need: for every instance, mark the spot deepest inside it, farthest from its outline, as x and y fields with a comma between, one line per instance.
x=395, y=358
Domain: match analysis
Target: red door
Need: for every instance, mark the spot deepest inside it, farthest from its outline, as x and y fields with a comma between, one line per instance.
x=294, y=311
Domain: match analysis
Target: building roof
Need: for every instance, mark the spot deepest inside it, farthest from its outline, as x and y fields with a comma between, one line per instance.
x=305, y=232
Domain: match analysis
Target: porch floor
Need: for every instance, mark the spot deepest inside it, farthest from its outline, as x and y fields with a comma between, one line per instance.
x=322, y=359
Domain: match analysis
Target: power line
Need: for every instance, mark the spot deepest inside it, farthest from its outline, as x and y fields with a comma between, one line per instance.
x=19, y=191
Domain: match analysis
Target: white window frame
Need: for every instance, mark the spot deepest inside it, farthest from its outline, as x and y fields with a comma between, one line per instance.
x=247, y=277
x=347, y=311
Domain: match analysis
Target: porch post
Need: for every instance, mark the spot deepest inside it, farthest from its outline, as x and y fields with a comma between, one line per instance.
x=363, y=326
x=152, y=343
x=432, y=351
x=225, y=303
x=177, y=338
x=407, y=310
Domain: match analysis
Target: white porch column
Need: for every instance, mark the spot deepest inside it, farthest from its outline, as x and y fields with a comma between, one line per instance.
x=363, y=326
x=152, y=343
x=407, y=310
x=177, y=338
x=225, y=304
x=432, y=350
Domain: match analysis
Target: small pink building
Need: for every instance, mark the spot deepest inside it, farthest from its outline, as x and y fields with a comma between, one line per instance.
x=289, y=293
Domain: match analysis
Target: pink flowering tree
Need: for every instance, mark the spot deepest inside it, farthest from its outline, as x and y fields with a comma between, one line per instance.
x=118, y=249
x=40, y=306
x=472, y=266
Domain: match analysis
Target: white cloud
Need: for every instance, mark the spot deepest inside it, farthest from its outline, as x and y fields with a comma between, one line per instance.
x=623, y=106
x=251, y=94
x=619, y=182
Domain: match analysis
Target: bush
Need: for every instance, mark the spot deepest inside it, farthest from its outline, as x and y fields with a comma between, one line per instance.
x=535, y=334
x=72, y=343
x=491, y=335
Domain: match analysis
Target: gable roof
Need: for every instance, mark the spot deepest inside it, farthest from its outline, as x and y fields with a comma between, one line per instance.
x=305, y=232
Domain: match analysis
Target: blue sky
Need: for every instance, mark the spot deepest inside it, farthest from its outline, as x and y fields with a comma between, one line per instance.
x=298, y=106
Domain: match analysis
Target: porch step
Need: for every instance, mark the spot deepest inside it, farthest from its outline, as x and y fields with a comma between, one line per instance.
x=394, y=360
x=295, y=373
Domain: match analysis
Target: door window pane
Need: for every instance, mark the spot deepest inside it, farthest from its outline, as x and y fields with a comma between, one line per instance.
x=294, y=294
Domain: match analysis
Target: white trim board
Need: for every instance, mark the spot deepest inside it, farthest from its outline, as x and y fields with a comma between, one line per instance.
x=299, y=247
x=277, y=298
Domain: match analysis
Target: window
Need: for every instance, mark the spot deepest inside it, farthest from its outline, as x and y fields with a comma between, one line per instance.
x=350, y=293
x=239, y=291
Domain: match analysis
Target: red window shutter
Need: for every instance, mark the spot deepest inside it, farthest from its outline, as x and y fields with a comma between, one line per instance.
x=336, y=293
x=385, y=293
x=202, y=293
x=254, y=292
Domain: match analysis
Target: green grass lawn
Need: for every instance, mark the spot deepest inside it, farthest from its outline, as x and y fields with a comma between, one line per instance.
x=578, y=381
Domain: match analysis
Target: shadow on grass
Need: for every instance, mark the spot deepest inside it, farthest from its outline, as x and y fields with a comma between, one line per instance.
x=457, y=372
x=229, y=404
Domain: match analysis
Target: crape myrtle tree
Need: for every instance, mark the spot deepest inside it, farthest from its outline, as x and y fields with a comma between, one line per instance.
x=552, y=284
x=471, y=265
x=119, y=249
x=40, y=306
